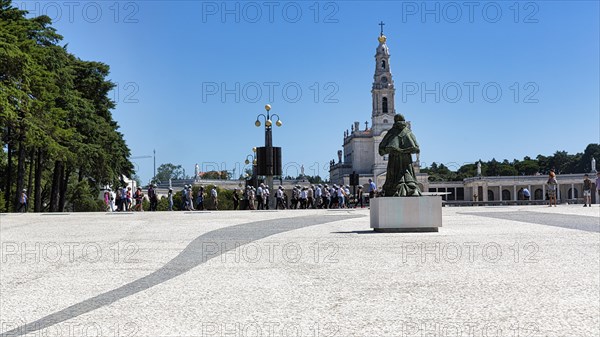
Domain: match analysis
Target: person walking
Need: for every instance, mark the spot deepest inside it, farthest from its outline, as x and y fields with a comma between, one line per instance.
x=552, y=187
x=139, y=197
x=295, y=196
x=112, y=199
x=124, y=199
x=359, y=197
x=118, y=200
x=303, y=198
x=326, y=196
x=279, y=196
x=170, y=198
x=200, y=199
x=347, y=196
x=236, y=199
x=318, y=196
x=259, y=196
x=153, y=197
x=310, y=197
x=106, y=200
x=341, y=196
x=266, y=196
x=214, y=195
x=335, y=197
x=251, y=198
x=526, y=194
x=372, y=189
x=190, y=197
x=184, y=201
x=587, y=191
x=128, y=197
x=22, y=202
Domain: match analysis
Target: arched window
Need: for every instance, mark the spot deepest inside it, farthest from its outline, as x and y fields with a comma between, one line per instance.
x=384, y=105
x=385, y=121
x=382, y=64
x=573, y=193
x=490, y=195
x=506, y=195
x=538, y=194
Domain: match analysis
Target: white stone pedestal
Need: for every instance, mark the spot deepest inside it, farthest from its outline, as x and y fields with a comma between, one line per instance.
x=406, y=214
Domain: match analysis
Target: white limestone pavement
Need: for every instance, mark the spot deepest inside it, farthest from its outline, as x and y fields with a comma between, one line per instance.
x=488, y=271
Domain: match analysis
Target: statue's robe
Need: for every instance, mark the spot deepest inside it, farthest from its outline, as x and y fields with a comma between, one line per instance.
x=399, y=143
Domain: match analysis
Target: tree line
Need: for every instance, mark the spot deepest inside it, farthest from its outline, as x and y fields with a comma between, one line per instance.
x=561, y=162
x=59, y=140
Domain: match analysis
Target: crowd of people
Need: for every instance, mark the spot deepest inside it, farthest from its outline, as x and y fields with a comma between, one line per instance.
x=302, y=197
x=319, y=196
x=122, y=200
x=188, y=201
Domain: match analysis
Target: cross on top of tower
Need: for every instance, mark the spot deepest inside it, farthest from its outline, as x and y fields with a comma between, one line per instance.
x=382, y=24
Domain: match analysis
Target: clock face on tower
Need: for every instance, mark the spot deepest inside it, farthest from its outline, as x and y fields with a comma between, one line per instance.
x=384, y=80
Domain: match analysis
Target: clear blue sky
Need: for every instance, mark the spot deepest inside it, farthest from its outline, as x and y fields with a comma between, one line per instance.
x=167, y=57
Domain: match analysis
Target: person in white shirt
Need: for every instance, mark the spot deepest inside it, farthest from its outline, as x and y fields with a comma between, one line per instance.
x=347, y=196
x=259, y=196
x=279, y=196
x=266, y=195
x=341, y=196
x=335, y=197
x=213, y=195
x=303, y=198
x=318, y=194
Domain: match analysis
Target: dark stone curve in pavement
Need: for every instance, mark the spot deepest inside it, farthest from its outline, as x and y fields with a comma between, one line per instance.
x=578, y=222
x=192, y=256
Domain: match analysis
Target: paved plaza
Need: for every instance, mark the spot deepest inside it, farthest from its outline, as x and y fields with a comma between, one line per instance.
x=490, y=271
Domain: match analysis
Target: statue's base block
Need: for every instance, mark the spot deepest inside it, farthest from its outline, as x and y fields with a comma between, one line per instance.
x=406, y=214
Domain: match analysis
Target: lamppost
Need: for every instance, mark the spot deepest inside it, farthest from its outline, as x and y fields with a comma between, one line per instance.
x=268, y=157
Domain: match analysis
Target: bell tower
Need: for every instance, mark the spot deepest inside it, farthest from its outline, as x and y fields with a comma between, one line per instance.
x=383, y=88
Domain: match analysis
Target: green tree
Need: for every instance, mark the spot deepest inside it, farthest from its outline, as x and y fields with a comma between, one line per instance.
x=224, y=175
x=169, y=171
x=585, y=162
x=527, y=166
x=56, y=117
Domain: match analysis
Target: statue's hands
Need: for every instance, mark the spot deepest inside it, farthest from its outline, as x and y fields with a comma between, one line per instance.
x=410, y=150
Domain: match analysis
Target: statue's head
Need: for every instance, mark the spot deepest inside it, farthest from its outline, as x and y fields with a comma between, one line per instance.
x=399, y=118
x=400, y=122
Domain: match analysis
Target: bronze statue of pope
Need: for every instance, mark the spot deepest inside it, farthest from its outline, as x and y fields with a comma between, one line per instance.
x=400, y=143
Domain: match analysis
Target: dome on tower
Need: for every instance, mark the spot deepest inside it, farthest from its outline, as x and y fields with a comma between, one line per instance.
x=382, y=48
